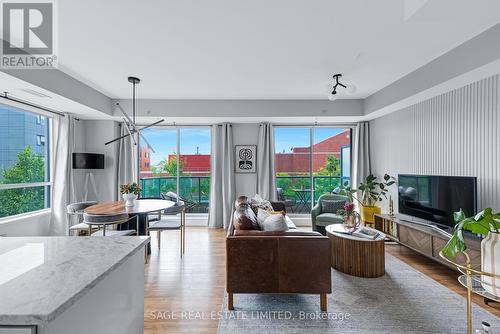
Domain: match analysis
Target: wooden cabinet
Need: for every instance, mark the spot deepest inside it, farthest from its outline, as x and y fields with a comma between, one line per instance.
x=424, y=239
x=419, y=241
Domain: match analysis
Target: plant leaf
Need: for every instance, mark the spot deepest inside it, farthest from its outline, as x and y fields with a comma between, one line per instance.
x=458, y=216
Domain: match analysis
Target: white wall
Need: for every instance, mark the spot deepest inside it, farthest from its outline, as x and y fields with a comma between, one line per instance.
x=92, y=138
x=456, y=133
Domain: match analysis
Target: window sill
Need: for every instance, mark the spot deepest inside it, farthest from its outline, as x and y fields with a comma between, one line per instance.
x=23, y=216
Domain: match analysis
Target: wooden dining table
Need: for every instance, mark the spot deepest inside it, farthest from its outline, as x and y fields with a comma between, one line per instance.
x=141, y=209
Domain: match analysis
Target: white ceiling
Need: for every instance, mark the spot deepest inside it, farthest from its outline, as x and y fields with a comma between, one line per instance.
x=281, y=49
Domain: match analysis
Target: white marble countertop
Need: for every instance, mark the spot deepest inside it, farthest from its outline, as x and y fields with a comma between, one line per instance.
x=40, y=277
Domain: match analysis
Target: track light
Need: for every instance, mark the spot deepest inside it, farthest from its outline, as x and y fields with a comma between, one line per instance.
x=337, y=83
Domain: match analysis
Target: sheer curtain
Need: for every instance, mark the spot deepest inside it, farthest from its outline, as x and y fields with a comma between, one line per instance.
x=126, y=160
x=362, y=159
x=62, y=178
x=266, y=181
x=222, y=188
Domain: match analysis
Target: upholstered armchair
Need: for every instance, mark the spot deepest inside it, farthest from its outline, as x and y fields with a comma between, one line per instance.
x=320, y=219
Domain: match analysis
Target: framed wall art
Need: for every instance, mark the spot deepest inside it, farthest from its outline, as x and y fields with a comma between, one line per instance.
x=245, y=158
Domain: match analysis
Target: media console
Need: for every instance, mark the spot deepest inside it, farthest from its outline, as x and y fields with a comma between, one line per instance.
x=424, y=238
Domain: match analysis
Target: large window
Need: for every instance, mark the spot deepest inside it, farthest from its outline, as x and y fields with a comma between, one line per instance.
x=310, y=162
x=24, y=161
x=180, y=163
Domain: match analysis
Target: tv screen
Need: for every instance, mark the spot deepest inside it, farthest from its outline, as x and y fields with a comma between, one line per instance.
x=88, y=161
x=435, y=198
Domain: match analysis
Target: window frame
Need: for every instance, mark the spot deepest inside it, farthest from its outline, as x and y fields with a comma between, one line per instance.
x=311, y=128
x=48, y=168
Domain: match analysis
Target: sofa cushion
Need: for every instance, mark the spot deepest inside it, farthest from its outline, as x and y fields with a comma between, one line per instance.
x=328, y=218
x=331, y=205
x=290, y=223
x=296, y=233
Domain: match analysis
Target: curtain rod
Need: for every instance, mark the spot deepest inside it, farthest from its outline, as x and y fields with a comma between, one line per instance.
x=7, y=97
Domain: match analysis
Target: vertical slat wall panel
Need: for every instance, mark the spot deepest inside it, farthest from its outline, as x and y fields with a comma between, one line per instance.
x=456, y=133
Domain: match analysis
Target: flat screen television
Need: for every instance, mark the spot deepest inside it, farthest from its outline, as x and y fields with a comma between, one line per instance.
x=435, y=198
x=88, y=161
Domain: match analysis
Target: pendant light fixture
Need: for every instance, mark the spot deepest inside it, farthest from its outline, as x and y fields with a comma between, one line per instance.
x=130, y=123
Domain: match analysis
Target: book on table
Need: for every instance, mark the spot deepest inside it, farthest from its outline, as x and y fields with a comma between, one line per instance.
x=365, y=233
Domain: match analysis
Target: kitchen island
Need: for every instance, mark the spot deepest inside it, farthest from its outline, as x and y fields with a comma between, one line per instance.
x=72, y=285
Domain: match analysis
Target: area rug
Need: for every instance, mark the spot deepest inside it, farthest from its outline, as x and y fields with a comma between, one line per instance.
x=402, y=301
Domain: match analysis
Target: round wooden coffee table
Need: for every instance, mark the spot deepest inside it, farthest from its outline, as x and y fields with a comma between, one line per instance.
x=356, y=256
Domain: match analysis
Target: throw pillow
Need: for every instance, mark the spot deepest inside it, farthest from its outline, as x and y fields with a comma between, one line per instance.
x=262, y=215
x=259, y=202
x=275, y=222
x=244, y=218
x=331, y=206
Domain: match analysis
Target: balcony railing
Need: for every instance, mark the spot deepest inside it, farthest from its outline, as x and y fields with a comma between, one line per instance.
x=297, y=189
x=193, y=188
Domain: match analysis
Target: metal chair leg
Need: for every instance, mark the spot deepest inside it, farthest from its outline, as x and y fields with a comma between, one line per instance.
x=183, y=227
x=158, y=232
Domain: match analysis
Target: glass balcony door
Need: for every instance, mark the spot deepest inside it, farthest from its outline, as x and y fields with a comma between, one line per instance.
x=293, y=167
x=195, y=167
x=310, y=162
x=180, y=163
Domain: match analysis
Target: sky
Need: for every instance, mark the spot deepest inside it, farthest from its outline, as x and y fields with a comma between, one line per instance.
x=288, y=138
x=164, y=141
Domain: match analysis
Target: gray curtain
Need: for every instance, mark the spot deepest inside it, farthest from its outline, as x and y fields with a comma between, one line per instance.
x=266, y=182
x=126, y=160
x=62, y=178
x=362, y=162
x=222, y=188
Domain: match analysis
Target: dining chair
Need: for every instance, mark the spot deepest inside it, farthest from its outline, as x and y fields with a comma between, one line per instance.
x=74, y=212
x=165, y=221
x=109, y=220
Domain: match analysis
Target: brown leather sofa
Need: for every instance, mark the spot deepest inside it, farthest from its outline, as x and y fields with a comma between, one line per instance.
x=277, y=262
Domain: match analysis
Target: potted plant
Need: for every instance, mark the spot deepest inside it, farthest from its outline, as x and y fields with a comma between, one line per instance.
x=371, y=191
x=351, y=217
x=485, y=223
x=130, y=192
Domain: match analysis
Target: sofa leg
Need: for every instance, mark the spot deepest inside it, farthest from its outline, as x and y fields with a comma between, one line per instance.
x=230, y=305
x=322, y=302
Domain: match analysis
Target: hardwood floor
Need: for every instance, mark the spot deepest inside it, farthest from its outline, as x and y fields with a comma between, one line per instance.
x=439, y=273
x=174, y=287
x=194, y=284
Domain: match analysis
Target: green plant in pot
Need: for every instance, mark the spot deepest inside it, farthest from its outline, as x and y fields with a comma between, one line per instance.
x=371, y=192
x=130, y=192
x=485, y=223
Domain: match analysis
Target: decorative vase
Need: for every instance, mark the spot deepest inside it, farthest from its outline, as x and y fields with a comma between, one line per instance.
x=490, y=263
x=368, y=213
x=129, y=199
x=351, y=221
